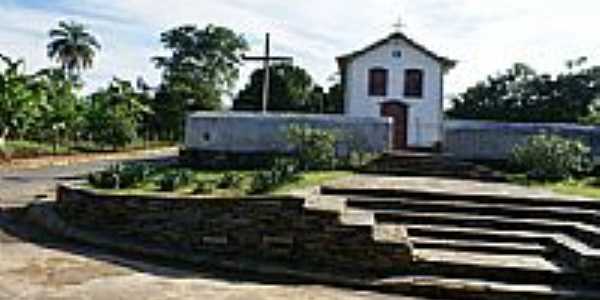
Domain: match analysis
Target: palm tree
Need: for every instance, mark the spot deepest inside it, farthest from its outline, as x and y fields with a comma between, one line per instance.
x=73, y=47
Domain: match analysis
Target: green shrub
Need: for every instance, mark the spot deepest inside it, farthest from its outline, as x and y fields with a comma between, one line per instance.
x=230, y=180
x=120, y=176
x=315, y=147
x=283, y=170
x=205, y=187
x=550, y=157
x=172, y=181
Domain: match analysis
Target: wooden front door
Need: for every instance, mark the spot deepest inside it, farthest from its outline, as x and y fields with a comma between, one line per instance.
x=399, y=113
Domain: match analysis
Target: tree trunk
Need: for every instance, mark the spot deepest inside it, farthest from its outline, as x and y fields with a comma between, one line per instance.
x=3, y=135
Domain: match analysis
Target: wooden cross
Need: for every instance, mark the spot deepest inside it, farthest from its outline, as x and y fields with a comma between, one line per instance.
x=266, y=60
x=399, y=25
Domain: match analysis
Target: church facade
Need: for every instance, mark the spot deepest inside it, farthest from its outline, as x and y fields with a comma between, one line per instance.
x=402, y=80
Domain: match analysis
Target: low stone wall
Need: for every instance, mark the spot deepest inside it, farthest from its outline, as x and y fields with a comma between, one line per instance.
x=280, y=228
x=481, y=140
x=249, y=133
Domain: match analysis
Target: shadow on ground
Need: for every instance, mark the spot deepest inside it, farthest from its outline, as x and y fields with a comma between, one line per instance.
x=13, y=226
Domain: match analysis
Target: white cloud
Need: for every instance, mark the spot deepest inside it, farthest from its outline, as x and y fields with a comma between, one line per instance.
x=486, y=36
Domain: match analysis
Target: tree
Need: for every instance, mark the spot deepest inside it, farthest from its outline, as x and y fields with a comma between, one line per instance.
x=202, y=67
x=292, y=90
x=522, y=95
x=114, y=114
x=60, y=110
x=19, y=102
x=73, y=47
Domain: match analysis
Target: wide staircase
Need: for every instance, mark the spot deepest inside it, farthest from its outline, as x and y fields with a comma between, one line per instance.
x=485, y=247
x=410, y=163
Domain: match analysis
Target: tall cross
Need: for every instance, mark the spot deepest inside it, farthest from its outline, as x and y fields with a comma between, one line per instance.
x=266, y=60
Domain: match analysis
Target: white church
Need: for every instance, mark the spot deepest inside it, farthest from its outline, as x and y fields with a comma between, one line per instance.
x=393, y=100
x=398, y=78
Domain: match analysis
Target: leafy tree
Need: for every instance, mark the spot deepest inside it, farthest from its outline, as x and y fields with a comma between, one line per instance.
x=114, y=114
x=73, y=47
x=19, y=102
x=522, y=95
x=292, y=90
x=60, y=110
x=202, y=67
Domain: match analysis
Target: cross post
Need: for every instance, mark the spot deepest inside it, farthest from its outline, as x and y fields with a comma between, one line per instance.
x=266, y=60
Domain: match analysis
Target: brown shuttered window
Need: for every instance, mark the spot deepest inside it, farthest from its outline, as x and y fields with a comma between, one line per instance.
x=413, y=83
x=378, y=79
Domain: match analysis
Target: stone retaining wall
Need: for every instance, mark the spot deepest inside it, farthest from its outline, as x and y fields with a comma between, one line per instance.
x=280, y=228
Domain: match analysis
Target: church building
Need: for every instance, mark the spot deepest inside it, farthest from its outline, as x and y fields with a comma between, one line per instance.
x=398, y=78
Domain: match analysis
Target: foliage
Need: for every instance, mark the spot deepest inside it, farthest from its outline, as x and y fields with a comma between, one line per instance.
x=292, y=89
x=205, y=187
x=282, y=171
x=19, y=100
x=121, y=176
x=593, y=115
x=28, y=149
x=550, y=157
x=230, y=180
x=316, y=148
x=522, y=95
x=73, y=47
x=117, y=111
x=202, y=68
x=174, y=180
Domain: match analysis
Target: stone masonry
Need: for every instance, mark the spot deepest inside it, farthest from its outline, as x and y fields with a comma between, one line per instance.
x=274, y=228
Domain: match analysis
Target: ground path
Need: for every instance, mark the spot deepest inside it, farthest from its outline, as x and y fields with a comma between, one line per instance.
x=34, y=265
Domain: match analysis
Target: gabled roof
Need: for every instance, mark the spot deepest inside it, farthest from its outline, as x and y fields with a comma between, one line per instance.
x=446, y=62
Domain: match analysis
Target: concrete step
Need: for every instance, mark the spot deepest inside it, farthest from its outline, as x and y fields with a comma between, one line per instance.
x=584, y=232
x=479, y=234
x=437, y=287
x=478, y=208
x=395, y=193
x=478, y=246
x=512, y=269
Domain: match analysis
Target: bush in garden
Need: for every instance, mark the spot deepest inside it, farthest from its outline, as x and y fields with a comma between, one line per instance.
x=205, y=187
x=120, y=176
x=551, y=157
x=283, y=170
x=315, y=147
x=230, y=180
x=172, y=181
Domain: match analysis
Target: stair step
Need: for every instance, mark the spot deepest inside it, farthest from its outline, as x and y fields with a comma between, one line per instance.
x=498, y=209
x=479, y=246
x=395, y=193
x=479, y=233
x=470, y=289
x=507, y=268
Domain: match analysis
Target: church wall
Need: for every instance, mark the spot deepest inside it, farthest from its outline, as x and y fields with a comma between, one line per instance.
x=257, y=133
x=425, y=115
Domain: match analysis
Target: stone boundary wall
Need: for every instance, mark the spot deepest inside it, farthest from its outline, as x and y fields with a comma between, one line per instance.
x=249, y=133
x=482, y=140
x=273, y=228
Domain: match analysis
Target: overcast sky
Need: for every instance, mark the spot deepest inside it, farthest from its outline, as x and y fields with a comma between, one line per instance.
x=485, y=36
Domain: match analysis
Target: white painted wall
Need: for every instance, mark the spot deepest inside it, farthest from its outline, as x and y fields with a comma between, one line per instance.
x=425, y=115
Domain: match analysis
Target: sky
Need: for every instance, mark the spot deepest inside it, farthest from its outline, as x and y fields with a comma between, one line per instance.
x=484, y=36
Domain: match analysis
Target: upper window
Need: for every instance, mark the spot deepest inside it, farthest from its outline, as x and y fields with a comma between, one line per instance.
x=413, y=83
x=378, y=79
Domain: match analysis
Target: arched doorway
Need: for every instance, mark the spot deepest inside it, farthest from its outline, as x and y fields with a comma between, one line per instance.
x=399, y=113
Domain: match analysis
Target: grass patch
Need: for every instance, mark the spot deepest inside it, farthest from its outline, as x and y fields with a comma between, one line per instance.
x=214, y=179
